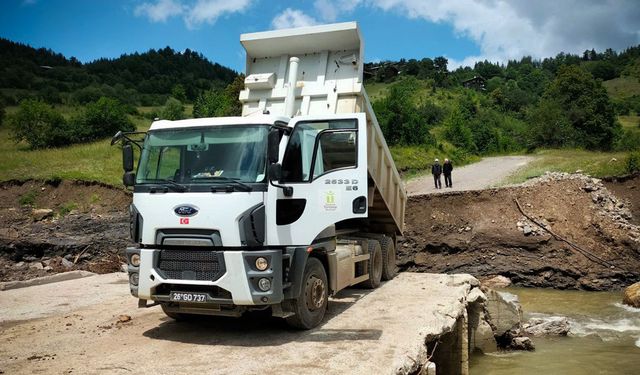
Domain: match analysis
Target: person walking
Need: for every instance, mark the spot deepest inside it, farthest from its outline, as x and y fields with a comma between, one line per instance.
x=447, y=167
x=436, y=171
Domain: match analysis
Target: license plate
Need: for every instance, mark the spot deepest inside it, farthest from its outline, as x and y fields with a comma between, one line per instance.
x=188, y=297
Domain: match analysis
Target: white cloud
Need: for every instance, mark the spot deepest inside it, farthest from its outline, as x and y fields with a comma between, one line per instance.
x=194, y=13
x=292, y=18
x=210, y=10
x=159, y=11
x=329, y=10
x=506, y=30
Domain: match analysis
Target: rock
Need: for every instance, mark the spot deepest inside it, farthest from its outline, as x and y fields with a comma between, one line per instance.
x=632, y=295
x=522, y=343
x=467, y=229
x=504, y=312
x=48, y=269
x=19, y=265
x=496, y=282
x=124, y=318
x=519, y=224
x=124, y=268
x=36, y=266
x=554, y=326
x=40, y=214
x=66, y=263
x=527, y=230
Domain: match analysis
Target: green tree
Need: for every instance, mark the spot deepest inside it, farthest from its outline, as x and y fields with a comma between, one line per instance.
x=214, y=103
x=550, y=126
x=179, y=92
x=38, y=124
x=587, y=106
x=102, y=119
x=173, y=110
x=458, y=132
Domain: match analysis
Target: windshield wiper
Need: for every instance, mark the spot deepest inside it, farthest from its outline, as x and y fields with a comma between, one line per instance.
x=168, y=183
x=234, y=181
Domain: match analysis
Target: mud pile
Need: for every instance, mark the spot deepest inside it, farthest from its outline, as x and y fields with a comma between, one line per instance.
x=56, y=226
x=570, y=232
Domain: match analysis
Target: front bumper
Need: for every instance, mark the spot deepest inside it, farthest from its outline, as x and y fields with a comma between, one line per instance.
x=237, y=282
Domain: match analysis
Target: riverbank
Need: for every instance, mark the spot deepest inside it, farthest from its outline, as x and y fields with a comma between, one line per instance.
x=604, y=337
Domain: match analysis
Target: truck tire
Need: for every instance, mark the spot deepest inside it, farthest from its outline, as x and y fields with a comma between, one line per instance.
x=309, y=308
x=374, y=266
x=388, y=258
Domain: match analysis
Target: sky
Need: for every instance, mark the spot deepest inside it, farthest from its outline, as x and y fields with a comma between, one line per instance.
x=464, y=31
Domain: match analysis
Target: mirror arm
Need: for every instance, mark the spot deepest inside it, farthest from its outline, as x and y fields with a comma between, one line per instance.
x=286, y=190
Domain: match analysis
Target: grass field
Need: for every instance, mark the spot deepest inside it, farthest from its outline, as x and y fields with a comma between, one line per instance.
x=597, y=164
x=95, y=161
x=622, y=87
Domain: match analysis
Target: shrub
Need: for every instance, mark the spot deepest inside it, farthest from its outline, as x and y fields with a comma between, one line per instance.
x=633, y=162
x=102, y=119
x=39, y=125
x=173, y=110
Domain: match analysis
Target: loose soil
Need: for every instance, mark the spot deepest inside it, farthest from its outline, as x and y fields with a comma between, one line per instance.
x=474, y=232
x=87, y=227
x=477, y=232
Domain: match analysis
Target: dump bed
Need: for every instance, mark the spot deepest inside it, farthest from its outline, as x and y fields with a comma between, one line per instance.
x=329, y=80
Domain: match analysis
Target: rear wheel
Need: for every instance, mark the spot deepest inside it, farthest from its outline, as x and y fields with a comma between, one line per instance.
x=374, y=266
x=388, y=258
x=309, y=308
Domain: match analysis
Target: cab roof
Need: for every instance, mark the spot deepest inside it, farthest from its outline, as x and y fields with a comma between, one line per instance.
x=218, y=121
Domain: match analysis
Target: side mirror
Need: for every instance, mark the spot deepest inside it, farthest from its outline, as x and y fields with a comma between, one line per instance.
x=127, y=157
x=273, y=146
x=129, y=178
x=116, y=138
x=275, y=172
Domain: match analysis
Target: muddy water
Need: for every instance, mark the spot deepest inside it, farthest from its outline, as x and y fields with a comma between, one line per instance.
x=604, y=339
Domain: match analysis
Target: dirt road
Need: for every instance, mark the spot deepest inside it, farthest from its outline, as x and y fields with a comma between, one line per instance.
x=79, y=327
x=481, y=175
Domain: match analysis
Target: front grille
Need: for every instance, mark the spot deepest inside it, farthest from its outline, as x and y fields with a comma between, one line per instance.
x=191, y=264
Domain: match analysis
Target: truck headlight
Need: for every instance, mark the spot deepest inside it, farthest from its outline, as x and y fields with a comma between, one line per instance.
x=134, y=260
x=264, y=284
x=261, y=264
x=134, y=278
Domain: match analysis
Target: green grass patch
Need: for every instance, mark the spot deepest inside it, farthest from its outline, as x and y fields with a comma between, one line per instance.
x=622, y=87
x=28, y=198
x=630, y=122
x=597, y=164
x=66, y=208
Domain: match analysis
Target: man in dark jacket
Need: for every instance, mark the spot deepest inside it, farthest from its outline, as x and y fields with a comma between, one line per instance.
x=447, y=167
x=436, y=171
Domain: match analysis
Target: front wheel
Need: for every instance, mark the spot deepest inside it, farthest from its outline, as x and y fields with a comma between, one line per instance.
x=175, y=315
x=309, y=308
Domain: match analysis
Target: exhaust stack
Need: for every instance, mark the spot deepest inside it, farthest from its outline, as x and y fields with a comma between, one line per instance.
x=290, y=101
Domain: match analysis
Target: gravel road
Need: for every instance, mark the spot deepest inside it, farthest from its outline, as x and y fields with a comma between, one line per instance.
x=486, y=173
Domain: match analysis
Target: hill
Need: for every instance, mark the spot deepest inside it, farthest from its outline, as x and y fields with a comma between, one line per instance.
x=145, y=79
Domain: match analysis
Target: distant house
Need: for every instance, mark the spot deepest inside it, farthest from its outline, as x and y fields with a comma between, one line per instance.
x=476, y=83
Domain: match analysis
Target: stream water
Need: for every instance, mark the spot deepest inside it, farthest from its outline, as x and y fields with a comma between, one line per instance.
x=604, y=338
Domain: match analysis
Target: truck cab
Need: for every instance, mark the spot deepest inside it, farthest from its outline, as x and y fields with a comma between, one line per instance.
x=276, y=209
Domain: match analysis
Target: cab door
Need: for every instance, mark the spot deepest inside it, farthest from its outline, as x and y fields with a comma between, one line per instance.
x=325, y=162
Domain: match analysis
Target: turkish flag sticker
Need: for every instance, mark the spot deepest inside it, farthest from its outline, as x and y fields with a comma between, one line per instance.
x=184, y=220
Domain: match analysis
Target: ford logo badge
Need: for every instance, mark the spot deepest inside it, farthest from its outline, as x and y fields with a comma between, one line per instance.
x=185, y=210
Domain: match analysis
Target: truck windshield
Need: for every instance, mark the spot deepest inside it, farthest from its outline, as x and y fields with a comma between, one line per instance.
x=205, y=155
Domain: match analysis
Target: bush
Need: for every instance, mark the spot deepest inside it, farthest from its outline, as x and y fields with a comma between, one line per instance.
x=39, y=125
x=102, y=119
x=173, y=110
x=633, y=162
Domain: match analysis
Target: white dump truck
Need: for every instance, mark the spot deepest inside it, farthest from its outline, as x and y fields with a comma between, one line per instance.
x=278, y=209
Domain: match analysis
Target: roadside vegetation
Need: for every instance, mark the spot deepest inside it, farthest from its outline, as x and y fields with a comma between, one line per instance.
x=571, y=112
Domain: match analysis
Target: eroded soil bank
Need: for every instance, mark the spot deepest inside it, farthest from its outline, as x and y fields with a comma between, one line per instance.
x=57, y=226
x=49, y=227
x=484, y=233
